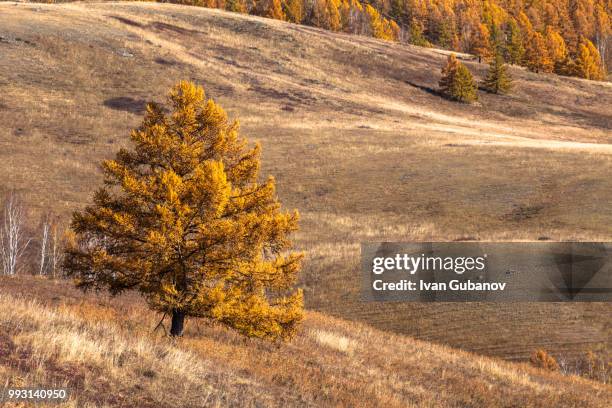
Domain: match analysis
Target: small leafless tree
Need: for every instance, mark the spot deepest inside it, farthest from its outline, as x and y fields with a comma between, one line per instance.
x=56, y=251
x=13, y=241
x=44, y=261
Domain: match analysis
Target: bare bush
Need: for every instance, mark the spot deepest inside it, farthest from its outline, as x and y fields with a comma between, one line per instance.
x=593, y=365
x=13, y=241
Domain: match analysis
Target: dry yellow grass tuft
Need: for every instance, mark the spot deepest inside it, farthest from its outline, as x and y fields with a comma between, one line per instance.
x=334, y=340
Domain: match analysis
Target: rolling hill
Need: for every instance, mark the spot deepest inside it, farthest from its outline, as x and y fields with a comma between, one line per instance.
x=355, y=133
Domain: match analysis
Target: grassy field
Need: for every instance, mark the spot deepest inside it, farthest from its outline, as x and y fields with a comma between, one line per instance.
x=355, y=133
x=107, y=353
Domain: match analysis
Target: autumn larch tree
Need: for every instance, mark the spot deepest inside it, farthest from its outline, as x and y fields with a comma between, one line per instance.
x=183, y=219
x=537, y=57
x=557, y=50
x=498, y=79
x=457, y=82
x=416, y=34
x=460, y=25
x=515, y=50
x=237, y=6
x=588, y=63
x=481, y=46
x=294, y=10
x=271, y=9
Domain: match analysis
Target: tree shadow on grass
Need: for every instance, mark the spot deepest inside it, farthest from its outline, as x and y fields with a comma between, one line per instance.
x=127, y=104
x=427, y=89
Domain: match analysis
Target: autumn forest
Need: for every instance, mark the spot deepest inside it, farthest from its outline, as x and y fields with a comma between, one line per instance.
x=567, y=37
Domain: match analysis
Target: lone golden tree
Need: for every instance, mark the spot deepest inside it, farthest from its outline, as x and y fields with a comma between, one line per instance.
x=183, y=220
x=457, y=81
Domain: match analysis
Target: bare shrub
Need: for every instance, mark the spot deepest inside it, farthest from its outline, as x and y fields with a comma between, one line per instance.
x=592, y=364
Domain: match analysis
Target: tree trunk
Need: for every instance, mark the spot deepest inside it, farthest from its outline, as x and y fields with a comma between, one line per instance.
x=178, y=320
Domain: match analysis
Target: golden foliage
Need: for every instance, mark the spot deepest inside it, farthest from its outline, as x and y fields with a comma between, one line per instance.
x=537, y=57
x=588, y=62
x=548, y=30
x=184, y=220
x=540, y=358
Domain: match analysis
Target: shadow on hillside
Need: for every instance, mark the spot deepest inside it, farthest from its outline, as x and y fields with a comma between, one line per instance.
x=127, y=104
x=127, y=21
x=424, y=88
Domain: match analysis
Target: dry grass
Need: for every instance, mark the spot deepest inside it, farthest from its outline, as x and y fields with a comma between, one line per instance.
x=354, y=133
x=106, y=352
x=334, y=341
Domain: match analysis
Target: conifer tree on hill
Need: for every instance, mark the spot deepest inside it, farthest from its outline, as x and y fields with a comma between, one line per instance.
x=537, y=57
x=448, y=74
x=183, y=220
x=557, y=50
x=515, y=50
x=588, y=63
x=481, y=45
x=498, y=79
x=457, y=82
x=544, y=27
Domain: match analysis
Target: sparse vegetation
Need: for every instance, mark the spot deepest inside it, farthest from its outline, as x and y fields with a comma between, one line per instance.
x=595, y=365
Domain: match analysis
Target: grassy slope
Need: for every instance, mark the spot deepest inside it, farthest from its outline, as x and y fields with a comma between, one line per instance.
x=354, y=132
x=107, y=354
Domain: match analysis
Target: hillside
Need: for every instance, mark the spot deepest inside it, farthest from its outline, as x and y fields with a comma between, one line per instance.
x=354, y=132
x=106, y=352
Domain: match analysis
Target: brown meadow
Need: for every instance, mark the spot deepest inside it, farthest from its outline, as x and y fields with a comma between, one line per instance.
x=361, y=144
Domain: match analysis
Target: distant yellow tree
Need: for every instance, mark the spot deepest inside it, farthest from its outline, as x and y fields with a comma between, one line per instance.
x=272, y=9
x=588, y=63
x=294, y=10
x=557, y=50
x=416, y=34
x=325, y=14
x=183, y=220
x=237, y=6
x=380, y=26
x=481, y=46
x=537, y=57
x=457, y=82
